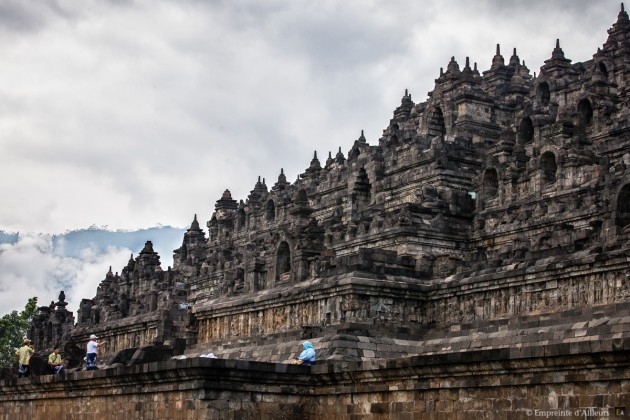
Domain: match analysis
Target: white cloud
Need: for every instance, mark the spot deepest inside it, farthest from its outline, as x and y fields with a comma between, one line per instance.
x=32, y=267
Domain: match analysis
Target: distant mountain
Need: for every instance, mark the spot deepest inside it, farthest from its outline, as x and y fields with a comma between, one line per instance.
x=8, y=237
x=72, y=243
x=35, y=264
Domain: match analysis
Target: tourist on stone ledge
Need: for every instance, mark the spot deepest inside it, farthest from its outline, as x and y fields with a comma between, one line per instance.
x=92, y=348
x=54, y=361
x=307, y=357
x=24, y=357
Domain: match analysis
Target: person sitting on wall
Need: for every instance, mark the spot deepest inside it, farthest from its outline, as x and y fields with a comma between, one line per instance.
x=24, y=356
x=307, y=357
x=54, y=361
x=92, y=348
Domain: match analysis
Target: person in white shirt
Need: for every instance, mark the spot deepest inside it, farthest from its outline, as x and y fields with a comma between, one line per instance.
x=92, y=348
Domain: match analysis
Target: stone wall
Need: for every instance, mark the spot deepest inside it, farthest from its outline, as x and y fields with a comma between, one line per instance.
x=550, y=287
x=317, y=304
x=491, y=384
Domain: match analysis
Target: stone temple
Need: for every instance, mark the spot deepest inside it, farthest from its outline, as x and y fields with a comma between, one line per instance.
x=490, y=221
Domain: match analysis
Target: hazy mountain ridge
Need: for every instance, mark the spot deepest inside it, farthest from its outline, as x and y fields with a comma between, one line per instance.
x=72, y=243
x=8, y=237
x=164, y=238
x=34, y=264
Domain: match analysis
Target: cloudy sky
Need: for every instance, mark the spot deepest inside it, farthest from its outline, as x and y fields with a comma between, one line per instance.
x=129, y=114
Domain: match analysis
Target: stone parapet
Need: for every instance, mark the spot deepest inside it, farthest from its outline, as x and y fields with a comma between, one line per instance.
x=126, y=333
x=601, y=328
x=544, y=290
x=490, y=383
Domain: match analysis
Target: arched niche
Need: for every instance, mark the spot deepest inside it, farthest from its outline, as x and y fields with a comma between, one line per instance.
x=270, y=210
x=41, y=338
x=283, y=262
x=490, y=184
x=622, y=212
x=436, y=123
x=183, y=252
x=585, y=112
x=526, y=130
x=301, y=197
x=548, y=167
x=544, y=93
x=213, y=228
x=49, y=333
x=362, y=188
x=603, y=69
x=241, y=218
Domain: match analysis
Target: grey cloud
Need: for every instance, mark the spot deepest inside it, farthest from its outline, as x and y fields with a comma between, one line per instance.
x=146, y=114
x=25, y=16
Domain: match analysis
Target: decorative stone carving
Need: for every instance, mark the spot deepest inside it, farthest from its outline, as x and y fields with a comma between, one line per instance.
x=501, y=195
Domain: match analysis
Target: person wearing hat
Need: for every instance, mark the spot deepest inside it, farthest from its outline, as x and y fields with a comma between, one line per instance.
x=24, y=357
x=92, y=348
x=54, y=361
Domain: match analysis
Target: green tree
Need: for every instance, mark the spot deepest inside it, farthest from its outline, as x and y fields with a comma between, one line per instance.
x=13, y=328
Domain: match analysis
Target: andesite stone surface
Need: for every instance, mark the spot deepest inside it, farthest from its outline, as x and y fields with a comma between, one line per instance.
x=494, y=217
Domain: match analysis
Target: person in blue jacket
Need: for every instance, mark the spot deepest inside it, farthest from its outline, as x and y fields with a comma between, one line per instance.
x=307, y=357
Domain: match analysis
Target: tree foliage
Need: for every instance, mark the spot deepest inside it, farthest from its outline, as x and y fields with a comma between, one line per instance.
x=13, y=328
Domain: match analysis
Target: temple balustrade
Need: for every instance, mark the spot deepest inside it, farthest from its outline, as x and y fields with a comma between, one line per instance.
x=126, y=333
